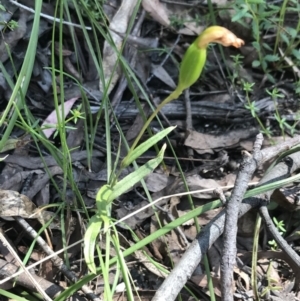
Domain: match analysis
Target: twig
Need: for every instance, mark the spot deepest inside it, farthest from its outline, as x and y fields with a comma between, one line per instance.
x=171, y=287
x=219, y=192
x=247, y=168
x=37, y=162
x=229, y=113
x=57, y=261
x=188, y=120
x=19, y=272
x=37, y=286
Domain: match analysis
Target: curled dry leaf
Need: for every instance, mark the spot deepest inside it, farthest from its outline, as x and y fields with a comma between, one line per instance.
x=14, y=204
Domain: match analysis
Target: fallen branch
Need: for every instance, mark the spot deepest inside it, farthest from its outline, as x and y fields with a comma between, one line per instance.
x=246, y=170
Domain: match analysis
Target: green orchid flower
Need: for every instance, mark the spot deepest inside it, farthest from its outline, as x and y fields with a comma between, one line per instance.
x=193, y=63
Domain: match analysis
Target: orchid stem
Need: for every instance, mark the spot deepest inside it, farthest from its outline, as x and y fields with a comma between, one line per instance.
x=174, y=95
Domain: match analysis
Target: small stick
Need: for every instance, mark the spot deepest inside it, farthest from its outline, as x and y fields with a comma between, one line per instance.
x=7, y=245
x=57, y=261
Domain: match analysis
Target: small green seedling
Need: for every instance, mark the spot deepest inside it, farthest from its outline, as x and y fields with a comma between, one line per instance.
x=251, y=106
x=281, y=228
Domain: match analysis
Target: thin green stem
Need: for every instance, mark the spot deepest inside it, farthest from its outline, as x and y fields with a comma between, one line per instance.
x=280, y=24
x=174, y=95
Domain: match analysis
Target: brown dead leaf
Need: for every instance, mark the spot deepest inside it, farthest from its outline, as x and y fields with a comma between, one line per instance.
x=269, y=269
x=157, y=11
x=14, y=204
x=195, y=182
x=203, y=219
x=156, y=182
x=169, y=245
x=228, y=180
x=191, y=29
x=63, y=52
x=13, y=143
x=201, y=280
x=140, y=295
x=136, y=126
x=161, y=73
x=247, y=145
x=244, y=276
x=205, y=143
x=217, y=2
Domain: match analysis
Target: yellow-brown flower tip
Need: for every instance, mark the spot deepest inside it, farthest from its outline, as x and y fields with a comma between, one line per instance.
x=218, y=34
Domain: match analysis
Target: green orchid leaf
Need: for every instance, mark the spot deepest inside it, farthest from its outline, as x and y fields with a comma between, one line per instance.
x=136, y=176
x=102, y=199
x=90, y=239
x=138, y=151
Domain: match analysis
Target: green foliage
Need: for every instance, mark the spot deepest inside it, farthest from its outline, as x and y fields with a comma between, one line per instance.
x=247, y=87
x=179, y=21
x=90, y=239
x=237, y=63
x=19, y=89
x=75, y=115
x=176, y=21
x=281, y=228
x=271, y=283
x=11, y=296
x=138, y=151
x=12, y=24
x=297, y=87
x=254, y=110
x=273, y=19
x=91, y=7
x=129, y=181
x=281, y=121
